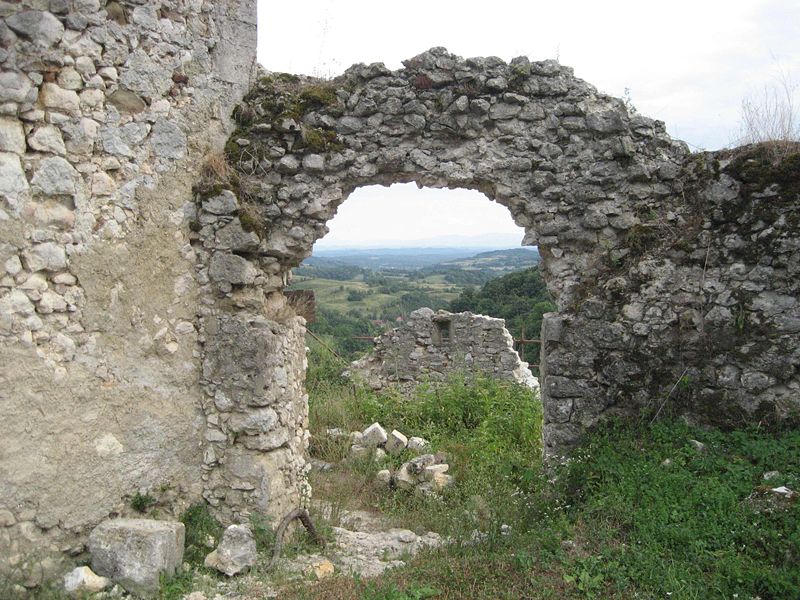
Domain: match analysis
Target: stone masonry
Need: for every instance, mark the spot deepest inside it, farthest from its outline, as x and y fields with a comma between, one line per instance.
x=113, y=332
x=675, y=274
x=145, y=342
x=432, y=346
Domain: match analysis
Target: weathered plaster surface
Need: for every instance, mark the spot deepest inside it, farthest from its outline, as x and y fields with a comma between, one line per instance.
x=107, y=111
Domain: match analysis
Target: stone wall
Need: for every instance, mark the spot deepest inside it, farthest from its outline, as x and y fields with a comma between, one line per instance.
x=109, y=112
x=432, y=346
x=674, y=274
x=145, y=343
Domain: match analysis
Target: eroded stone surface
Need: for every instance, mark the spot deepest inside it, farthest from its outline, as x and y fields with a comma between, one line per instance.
x=136, y=553
x=665, y=266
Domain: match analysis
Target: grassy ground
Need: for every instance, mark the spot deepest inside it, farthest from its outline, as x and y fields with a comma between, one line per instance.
x=639, y=512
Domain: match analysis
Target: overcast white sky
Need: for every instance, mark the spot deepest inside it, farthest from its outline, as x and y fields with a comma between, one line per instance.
x=687, y=62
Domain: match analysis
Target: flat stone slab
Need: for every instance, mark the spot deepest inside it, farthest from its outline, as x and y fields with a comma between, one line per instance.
x=136, y=552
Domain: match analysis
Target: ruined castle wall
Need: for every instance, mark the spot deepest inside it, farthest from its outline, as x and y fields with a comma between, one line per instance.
x=107, y=111
x=675, y=275
x=432, y=346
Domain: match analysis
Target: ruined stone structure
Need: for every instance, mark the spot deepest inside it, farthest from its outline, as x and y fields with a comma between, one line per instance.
x=108, y=112
x=146, y=345
x=675, y=275
x=432, y=346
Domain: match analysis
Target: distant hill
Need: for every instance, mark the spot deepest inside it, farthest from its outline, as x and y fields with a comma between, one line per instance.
x=418, y=258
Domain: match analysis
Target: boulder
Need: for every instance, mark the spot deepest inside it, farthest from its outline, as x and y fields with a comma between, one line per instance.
x=136, y=552
x=236, y=552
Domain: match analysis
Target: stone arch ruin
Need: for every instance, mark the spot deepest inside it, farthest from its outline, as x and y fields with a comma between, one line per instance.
x=145, y=342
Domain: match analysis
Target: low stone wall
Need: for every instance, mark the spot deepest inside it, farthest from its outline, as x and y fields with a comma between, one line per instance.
x=433, y=346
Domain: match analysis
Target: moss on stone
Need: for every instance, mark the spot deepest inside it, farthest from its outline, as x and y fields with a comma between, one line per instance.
x=763, y=165
x=252, y=221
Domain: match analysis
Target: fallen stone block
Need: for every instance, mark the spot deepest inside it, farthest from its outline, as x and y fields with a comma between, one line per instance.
x=405, y=479
x=236, y=552
x=431, y=470
x=374, y=435
x=136, y=552
x=396, y=442
x=418, y=444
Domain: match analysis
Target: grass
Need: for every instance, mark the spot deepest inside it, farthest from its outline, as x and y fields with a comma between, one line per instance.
x=638, y=512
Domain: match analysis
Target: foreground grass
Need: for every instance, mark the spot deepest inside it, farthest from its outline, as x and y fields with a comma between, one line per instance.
x=637, y=513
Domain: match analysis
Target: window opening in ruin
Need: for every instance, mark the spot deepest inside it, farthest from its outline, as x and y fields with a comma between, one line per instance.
x=443, y=331
x=393, y=250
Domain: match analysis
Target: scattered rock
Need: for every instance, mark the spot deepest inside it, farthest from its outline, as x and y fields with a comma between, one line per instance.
x=320, y=465
x=418, y=444
x=236, y=552
x=396, y=442
x=82, y=580
x=322, y=568
x=770, y=475
x=699, y=446
x=136, y=552
x=374, y=435
x=384, y=476
x=783, y=491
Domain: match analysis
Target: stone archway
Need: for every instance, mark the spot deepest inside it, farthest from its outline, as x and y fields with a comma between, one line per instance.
x=616, y=207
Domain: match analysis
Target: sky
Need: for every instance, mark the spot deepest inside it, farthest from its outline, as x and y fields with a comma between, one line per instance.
x=689, y=63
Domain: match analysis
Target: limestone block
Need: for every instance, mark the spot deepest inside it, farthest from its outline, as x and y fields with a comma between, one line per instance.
x=405, y=479
x=12, y=177
x=374, y=435
x=81, y=135
x=12, y=137
x=231, y=269
x=47, y=256
x=82, y=580
x=224, y=203
x=41, y=27
x=233, y=237
x=47, y=139
x=418, y=444
x=14, y=87
x=396, y=442
x=431, y=470
x=54, y=97
x=168, y=140
x=55, y=176
x=136, y=552
x=236, y=552
x=124, y=100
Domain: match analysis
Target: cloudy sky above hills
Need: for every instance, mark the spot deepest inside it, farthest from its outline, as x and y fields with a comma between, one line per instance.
x=688, y=63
